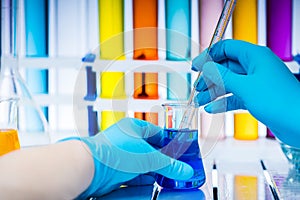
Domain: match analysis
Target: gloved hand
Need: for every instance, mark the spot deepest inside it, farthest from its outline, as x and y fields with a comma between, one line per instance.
x=126, y=152
x=258, y=81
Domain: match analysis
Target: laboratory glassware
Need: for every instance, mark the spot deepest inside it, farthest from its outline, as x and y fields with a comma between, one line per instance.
x=111, y=31
x=178, y=43
x=181, y=144
x=111, y=27
x=31, y=124
x=245, y=21
x=145, y=14
x=145, y=22
x=245, y=27
x=293, y=156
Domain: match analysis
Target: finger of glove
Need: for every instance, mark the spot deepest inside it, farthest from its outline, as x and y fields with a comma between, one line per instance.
x=209, y=95
x=151, y=133
x=217, y=55
x=235, y=50
x=176, y=170
x=225, y=80
x=210, y=77
x=200, y=60
x=202, y=83
x=225, y=104
x=138, y=129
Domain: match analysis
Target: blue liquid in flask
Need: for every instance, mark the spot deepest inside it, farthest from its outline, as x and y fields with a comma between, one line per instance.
x=184, y=142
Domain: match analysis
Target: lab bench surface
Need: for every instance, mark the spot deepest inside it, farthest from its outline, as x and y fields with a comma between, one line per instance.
x=240, y=174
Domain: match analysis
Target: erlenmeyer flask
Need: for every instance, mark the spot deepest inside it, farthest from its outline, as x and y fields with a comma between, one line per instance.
x=31, y=124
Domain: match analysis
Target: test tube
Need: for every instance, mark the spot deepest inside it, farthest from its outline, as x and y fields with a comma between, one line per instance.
x=111, y=30
x=178, y=39
x=244, y=21
x=145, y=22
x=212, y=126
x=36, y=33
x=245, y=28
x=279, y=28
x=209, y=12
x=111, y=27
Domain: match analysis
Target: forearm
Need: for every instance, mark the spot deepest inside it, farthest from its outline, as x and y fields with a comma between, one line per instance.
x=58, y=171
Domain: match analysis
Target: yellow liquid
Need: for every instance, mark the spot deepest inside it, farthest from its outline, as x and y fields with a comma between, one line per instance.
x=245, y=21
x=245, y=187
x=9, y=140
x=245, y=126
x=111, y=25
x=245, y=28
x=112, y=85
x=108, y=118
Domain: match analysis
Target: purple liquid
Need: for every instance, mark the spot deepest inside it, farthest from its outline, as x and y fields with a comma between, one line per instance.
x=186, y=149
x=279, y=28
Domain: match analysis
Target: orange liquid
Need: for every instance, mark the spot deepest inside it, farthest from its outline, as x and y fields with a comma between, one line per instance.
x=145, y=29
x=148, y=116
x=145, y=85
x=9, y=140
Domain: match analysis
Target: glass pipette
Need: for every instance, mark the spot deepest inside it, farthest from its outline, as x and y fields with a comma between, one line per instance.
x=217, y=36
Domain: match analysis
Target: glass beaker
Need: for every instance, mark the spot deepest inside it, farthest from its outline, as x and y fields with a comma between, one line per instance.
x=31, y=124
x=183, y=145
x=293, y=156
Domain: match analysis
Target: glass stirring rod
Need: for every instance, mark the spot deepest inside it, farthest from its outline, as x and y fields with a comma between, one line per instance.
x=217, y=36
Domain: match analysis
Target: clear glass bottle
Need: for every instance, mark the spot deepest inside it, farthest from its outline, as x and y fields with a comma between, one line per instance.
x=31, y=124
x=183, y=145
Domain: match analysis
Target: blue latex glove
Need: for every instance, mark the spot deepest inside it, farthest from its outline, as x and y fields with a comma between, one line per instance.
x=258, y=81
x=126, y=151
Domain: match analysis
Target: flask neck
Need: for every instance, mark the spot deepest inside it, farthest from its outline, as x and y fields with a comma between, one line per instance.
x=9, y=28
x=9, y=36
